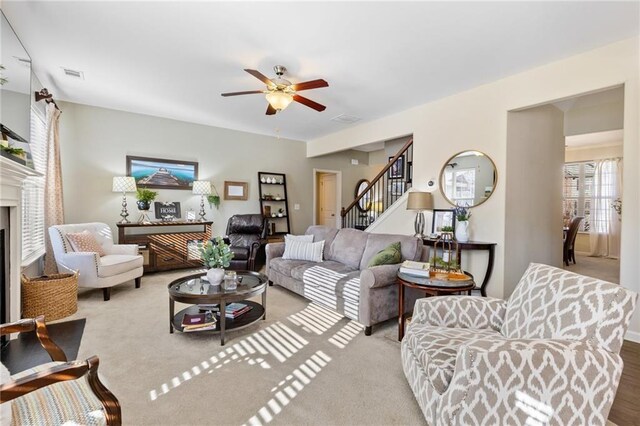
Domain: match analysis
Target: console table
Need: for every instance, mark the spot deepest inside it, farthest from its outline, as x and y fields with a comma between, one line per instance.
x=166, y=245
x=473, y=245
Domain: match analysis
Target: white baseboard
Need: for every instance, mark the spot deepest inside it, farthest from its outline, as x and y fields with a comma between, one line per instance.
x=633, y=336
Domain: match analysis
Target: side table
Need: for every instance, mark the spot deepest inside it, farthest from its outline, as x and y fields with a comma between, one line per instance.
x=431, y=287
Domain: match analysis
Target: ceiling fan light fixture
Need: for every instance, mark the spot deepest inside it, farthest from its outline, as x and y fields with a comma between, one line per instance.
x=279, y=100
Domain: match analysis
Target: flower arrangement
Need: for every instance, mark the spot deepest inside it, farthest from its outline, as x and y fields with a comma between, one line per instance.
x=215, y=255
x=463, y=213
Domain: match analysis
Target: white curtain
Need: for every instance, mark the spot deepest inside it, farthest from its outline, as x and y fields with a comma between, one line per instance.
x=53, y=207
x=605, y=221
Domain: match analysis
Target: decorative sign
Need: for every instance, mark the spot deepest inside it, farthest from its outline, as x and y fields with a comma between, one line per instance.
x=167, y=211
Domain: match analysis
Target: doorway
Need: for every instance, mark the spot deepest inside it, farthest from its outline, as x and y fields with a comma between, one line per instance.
x=327, y=197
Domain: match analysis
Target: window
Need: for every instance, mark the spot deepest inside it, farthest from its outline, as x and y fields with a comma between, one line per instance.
x=462, y=184
x=33, y=230
x=580, y=197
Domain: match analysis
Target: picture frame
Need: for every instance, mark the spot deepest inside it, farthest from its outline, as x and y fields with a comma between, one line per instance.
x=442, y=217
x=396, y=171
x=397, y=188
x=167, y=210
x=159, y=173
x=236, y=190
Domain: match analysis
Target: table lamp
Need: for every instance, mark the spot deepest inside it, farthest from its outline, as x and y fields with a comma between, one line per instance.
x=124, y=184
x=202, y=188
x=419, y=201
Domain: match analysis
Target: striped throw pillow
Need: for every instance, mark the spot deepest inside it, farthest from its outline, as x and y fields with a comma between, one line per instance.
x=85, y=242
x=302, y=250
x=305, y=238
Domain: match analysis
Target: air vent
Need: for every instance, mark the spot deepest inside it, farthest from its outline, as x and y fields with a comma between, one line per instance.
x=347, y=119
x=73, y=73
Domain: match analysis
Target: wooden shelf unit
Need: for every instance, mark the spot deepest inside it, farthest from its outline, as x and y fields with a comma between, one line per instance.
x=282, y=224
x=163, y=247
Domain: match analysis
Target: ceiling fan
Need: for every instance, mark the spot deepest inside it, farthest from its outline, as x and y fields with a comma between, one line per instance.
x=280, y=92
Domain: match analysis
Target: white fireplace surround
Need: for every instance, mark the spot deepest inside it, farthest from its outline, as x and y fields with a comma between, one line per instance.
x=12, y=175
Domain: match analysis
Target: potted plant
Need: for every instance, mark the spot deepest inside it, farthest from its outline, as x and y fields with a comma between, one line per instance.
x=462, y=213
x=280, y=212
x=145, y=197
x=216, y=256
x=214, y=200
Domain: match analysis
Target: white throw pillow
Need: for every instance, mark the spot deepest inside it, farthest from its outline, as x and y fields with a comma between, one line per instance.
x=304, y=238
x=5, y=409
x=303, y=250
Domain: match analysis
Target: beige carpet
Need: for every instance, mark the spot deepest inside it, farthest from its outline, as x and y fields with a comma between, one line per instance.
x=303, y=365
x=596, y=267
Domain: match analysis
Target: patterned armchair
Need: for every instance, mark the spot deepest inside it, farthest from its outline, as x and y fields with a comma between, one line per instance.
x=548, y=355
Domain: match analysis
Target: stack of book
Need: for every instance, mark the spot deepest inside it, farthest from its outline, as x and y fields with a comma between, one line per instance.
x=234, y=310
x=198, y=322
x=419, y=269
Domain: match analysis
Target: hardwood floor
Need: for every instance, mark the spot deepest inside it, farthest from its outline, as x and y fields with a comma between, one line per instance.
x=626, y=406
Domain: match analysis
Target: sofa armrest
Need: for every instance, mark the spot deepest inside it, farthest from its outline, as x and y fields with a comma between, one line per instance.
x=557, y=381
x=379, y=276
x=460, y=312
x=131, y=249
x=273, y=250
x=85, y=263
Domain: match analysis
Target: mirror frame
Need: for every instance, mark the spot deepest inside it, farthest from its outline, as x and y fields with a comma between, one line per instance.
x=357, y=192
x=495, y=177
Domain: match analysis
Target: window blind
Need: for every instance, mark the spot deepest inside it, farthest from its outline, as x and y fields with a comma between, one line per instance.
x=33, y=231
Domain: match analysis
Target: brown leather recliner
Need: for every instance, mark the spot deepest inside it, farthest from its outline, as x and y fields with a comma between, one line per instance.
x=246, y=235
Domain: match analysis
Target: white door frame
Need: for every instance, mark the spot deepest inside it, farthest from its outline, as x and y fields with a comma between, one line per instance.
x=338, y=174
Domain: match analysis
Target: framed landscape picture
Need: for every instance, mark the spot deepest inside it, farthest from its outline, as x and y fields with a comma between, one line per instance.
x=158, y=173
x=442, y=218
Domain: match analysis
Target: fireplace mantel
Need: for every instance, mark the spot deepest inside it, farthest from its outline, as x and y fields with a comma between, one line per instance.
x=12, y=176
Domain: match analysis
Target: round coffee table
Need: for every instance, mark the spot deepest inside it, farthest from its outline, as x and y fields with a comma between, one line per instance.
x=431, y=287
x=194, y=290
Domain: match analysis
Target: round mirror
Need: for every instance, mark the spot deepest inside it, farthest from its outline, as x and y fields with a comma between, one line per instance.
x=468, y=178
x=364, y=203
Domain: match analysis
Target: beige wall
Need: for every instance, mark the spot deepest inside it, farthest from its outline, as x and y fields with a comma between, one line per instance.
x=533, y=225
x=596, y=118
x=477, y=119
x=95, y=142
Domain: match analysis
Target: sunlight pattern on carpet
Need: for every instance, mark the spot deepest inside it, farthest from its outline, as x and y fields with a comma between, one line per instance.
x=276, y=340
x=343, y=336
x=289, y=388
x=315, y=319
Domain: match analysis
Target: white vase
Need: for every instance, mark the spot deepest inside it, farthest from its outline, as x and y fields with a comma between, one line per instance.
x=215, y=276
x=462, y=231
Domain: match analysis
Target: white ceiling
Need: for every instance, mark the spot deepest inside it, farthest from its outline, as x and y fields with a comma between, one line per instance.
x=173, y=59
x=607, y=138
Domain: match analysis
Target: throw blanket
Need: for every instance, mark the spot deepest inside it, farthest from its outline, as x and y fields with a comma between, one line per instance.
x=338, y=291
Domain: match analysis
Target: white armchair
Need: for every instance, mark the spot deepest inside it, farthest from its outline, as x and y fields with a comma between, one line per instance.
x=120, y=264
x=548, y=355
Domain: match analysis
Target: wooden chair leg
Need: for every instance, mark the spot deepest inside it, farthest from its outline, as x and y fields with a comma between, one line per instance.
x=138, y=280
x=106, y=293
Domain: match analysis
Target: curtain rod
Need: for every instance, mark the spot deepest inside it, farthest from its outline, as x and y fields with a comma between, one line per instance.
x=48, y=98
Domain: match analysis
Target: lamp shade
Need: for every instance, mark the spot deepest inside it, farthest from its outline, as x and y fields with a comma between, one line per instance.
x=420, y=201
x=124, y=184
x=279, y=100
x=202, y=187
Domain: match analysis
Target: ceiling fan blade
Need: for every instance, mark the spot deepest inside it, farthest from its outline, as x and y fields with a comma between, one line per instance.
x=249, y=92
x=271, y=110
x=263, y=78
x=309, y=103
x=313, y=84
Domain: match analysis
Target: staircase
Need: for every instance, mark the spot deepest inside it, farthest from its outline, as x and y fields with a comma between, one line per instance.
x=385, y=189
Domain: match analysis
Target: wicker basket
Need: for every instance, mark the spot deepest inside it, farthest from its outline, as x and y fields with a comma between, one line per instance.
x=54, y=296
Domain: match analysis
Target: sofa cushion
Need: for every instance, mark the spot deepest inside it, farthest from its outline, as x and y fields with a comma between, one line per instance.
x=551, y=303
x=332, y=265
x=300, y=250
x=411, y=247
x=304, y=238
x=436, y=348
x=323, y=233
x=390, y=255
x=115, y=264
x=285, y=266
x=348, y=246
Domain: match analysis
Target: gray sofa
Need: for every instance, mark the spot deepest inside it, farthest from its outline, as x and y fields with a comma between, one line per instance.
x=342, y=280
